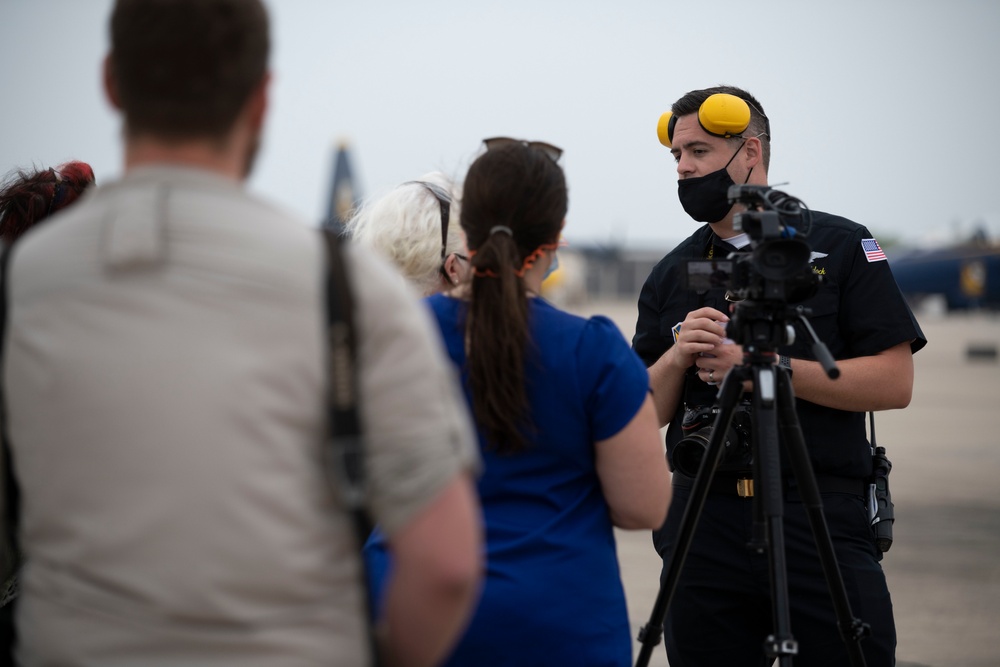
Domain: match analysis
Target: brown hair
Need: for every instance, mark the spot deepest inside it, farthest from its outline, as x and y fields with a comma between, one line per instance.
x=28, y=197
x=759, y=127
x=514, y=201
x=183, y=69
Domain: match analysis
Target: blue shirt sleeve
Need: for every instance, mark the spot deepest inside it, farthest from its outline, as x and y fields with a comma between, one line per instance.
x=613, y=378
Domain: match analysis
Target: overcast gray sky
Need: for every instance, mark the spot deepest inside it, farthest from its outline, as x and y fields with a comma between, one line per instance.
x=884, y=111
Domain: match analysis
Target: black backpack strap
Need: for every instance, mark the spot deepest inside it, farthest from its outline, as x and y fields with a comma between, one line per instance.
x=346, y=450
x=10, y=554
x=11, y=492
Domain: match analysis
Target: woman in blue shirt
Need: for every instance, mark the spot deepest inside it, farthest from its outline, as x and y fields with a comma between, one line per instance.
x=569, y=435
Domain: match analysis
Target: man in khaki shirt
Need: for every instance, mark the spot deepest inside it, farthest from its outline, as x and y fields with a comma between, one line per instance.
x=165, y=379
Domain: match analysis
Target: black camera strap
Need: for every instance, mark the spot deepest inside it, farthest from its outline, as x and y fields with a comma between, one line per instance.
x=11, y=495
x=346, y=442
x=10, y=555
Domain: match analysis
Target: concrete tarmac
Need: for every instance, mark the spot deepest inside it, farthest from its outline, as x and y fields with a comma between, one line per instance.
x=944, y=565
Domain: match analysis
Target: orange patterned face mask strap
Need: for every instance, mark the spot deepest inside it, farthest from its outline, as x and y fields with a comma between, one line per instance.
x=528, y=262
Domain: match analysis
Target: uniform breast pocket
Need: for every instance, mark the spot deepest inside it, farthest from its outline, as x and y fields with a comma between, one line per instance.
x=670, y=324
x=823, y=313
x=667, y=324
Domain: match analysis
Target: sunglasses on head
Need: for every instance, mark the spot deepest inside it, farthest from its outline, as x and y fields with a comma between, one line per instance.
x=444, y=202
x=554, y=152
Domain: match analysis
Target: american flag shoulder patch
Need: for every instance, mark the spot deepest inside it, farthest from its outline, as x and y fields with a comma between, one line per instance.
x=873, y=251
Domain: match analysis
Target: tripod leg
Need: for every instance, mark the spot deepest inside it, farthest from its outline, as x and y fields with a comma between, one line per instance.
x=852, y=630
x=769, y=512
x=651, y=633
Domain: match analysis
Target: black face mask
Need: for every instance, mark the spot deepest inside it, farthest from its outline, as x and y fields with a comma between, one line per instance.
x=706, y=198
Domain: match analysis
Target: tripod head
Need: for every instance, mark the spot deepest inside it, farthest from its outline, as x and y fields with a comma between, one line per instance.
x=777, y=271
x=774, y=275
x=762, y=327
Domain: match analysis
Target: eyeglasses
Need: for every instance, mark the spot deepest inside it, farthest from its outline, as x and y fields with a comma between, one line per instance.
x=554, y=152
x=444, y=201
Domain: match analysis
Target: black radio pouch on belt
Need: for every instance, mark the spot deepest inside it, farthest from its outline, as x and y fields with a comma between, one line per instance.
x=880, y=510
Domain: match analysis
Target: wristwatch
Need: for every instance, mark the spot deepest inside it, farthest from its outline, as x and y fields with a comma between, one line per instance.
x=786, y=363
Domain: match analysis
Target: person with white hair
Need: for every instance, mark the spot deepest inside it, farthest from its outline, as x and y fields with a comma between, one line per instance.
x=412, y=226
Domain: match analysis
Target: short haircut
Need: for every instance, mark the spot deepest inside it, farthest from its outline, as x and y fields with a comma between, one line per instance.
x=184, y=69
x=759, y=125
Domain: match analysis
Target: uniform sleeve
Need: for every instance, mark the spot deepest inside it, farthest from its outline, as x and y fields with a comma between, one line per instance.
x=612, y=376
x=874, y=314
x=665, y=301
x=648, y=342
x=418, y=434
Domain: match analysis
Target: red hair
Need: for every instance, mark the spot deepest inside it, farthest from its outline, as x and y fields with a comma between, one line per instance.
x=29, y=197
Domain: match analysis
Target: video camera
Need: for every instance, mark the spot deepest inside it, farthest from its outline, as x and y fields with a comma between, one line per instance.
x=765, y=281
x=777, y=270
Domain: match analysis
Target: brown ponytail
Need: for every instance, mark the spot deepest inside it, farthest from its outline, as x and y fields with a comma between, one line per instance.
x=514, y=201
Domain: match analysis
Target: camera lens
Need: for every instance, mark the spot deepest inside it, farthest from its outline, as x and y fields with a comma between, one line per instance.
x=689, y=452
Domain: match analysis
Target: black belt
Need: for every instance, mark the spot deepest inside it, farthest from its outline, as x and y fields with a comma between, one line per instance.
x=743, y=486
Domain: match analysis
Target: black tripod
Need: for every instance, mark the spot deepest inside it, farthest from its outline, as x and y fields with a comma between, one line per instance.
x=761, y=328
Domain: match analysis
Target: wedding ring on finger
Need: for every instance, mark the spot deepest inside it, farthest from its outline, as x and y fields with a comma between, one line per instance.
x=711, y=376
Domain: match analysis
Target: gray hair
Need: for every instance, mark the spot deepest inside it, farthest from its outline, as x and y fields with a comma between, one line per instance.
x=404, y=225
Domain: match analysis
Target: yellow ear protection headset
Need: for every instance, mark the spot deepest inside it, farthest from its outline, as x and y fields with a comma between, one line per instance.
x=721, y=115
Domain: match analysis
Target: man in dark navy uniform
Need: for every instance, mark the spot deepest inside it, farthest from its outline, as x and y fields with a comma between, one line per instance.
x=721, y=610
